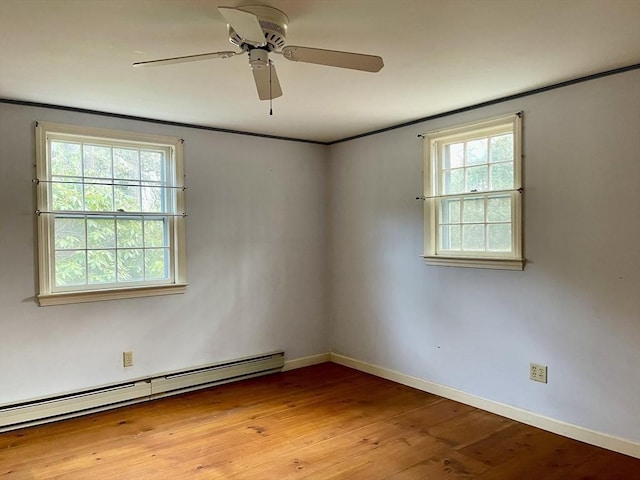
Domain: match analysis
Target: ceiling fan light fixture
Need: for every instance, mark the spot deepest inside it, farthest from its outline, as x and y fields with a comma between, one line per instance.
x=258, y=58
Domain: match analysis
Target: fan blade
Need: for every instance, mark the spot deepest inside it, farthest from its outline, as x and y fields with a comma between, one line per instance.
x=267, y=81
x=333, y=58
x=246, y=24
x=188, y=58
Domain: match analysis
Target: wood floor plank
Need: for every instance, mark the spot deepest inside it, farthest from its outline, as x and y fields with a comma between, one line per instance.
x=514, y=440
x=452, y=466
x=320, y=422
x=387, y=458
x=281, y=438
x=606, y=465
x=314, y=459
x=438, y=412
x=469, y=428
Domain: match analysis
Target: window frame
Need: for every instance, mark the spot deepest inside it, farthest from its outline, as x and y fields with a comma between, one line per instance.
x=434, y=143
x=48, y=294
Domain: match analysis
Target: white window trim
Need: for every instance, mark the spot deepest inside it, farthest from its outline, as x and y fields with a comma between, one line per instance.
x=515, y=259
x=46, y=296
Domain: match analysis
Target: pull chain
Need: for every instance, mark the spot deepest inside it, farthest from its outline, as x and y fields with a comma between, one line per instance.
x=270, y=91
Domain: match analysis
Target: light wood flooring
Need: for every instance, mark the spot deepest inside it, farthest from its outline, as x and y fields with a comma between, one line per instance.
x=320, y=422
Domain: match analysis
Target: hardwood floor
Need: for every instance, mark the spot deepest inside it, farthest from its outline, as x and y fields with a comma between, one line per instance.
x=320, y=422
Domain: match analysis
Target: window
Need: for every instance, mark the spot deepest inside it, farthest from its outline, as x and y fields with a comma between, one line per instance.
x=473, y=195
x=110, y=214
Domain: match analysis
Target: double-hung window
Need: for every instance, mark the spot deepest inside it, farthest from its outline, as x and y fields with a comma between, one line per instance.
x=110, y=209
x=472, y=193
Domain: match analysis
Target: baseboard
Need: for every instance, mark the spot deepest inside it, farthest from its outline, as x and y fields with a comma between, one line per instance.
x=610, y=442
x=81, y=402
x=306, y=361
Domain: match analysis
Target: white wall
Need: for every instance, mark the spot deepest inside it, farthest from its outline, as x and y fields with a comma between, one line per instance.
x=576, y=306
x=262, y=213
x=256, y=249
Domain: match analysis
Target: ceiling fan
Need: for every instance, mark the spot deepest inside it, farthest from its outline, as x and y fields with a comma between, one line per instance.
x=259, y=30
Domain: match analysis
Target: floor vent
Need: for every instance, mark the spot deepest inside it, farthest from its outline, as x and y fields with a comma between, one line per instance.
x=33, y=412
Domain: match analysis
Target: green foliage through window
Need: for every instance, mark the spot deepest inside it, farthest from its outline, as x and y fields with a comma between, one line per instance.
x=105, y=237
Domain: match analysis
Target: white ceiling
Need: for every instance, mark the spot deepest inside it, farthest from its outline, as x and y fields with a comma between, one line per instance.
x=439, y=55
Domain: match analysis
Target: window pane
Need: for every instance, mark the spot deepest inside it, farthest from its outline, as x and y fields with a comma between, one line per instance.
x=454, y=155
x=101, y=233
x=126, y=164
x=499, y=209
x=151, y=165
x=66, y=159
x=450, y=237
x=473, y=210
x=152, y=200
x=477, y=151
x=97, y=161
x=155, y=264
x=111, y=199
x=127, y=198
x=502, y=176
x=69, y=233
x=129, y=232
x=154, y=233
x=477, y=179
x=98, y=198
x=101, y=266
x=499, y=237
x=502, y=148
x=66, y=196
x=473, y=237
x=70, y=268
x=130, y=265
x=453, y=181
x=450, y=211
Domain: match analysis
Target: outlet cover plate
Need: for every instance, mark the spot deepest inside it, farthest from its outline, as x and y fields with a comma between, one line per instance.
x=127, y=359
x=538, y=372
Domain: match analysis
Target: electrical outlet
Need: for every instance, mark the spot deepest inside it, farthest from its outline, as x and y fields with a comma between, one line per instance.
x=538, y=372
x=127, y=359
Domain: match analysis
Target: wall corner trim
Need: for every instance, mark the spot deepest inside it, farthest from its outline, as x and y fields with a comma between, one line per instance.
x=599, y=439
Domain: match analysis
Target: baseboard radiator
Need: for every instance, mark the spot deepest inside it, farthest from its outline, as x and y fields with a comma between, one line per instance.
x=49, y=409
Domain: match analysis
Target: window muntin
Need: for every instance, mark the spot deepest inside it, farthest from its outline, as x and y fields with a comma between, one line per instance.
x=472, y=194
x=111, y=211
x=476, y=224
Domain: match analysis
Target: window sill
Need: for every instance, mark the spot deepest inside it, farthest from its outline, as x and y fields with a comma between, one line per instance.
x=491, y=263
x=64, y=298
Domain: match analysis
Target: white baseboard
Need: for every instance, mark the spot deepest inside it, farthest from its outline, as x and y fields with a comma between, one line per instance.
x=93, y=399
x=306, y=361
x=610, y=442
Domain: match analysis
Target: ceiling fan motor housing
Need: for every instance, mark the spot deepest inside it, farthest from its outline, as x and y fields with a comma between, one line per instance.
x=273, y=23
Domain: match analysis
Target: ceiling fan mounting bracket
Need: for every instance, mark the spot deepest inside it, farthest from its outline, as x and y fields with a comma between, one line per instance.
x=273, y=23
